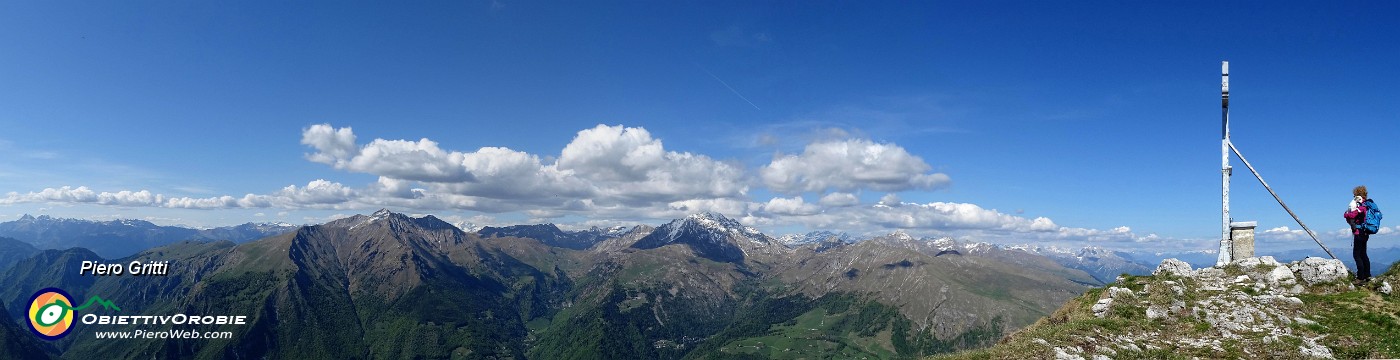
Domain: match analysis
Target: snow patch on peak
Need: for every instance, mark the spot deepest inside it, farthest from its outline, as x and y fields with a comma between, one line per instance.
x=945, y=243
x=814, y=237
x=616, y=231
x=978, y=247
x=1044, y=249
x=719, y=223
x=468, y=227
x=376, y=216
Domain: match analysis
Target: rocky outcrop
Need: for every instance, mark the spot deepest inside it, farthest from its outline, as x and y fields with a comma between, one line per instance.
x=1254, y=308
x=1173, y=267
x=1250, y=304
x=1315, y=271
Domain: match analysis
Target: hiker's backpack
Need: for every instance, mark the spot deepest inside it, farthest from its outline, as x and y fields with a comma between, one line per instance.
x=1371, y=222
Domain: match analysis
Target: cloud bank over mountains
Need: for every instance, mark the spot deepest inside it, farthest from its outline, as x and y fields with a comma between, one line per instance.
x=624, y=173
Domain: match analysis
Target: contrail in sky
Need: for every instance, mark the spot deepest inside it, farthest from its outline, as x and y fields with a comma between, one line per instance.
x=726, y=85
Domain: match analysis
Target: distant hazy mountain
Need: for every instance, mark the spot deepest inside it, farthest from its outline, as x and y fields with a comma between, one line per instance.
x=1105, y=265
x=622, y=241
x=245, y=232
x=795, y=240
x=1197, y=258
x=118, y=238
x=819, y=240
x=1382, y=255
x=551, y=235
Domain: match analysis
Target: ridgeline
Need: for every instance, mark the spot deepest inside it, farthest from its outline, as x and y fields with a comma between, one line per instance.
x=1254, y=308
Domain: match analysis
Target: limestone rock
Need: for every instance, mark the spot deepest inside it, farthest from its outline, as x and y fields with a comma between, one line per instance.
x=1313, y=271
x=1174, y=267
x=1061, y=354
x=1280, y=278
x=1312, y=349
x=1102, y=307
x=1267, y=261
x=1156, y=312
x=1118, y=292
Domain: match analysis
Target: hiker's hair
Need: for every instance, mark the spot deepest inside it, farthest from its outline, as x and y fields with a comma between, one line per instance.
x=1360, y=191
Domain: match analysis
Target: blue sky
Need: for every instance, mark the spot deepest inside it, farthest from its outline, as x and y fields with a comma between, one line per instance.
x=1083, y=122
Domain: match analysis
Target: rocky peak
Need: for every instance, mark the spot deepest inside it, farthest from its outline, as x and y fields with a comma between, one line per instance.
x=1094, y=251
x=711, y=235
x=717, y=223
x=617, y=231
x=608, y=232
x=396, y=221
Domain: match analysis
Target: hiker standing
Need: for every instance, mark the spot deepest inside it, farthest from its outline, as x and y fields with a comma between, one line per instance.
x=1364, y=218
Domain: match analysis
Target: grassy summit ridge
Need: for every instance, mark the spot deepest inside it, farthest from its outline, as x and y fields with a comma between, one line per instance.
x=1252, y=308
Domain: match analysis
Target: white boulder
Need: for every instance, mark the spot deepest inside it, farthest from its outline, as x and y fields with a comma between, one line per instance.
x=1313, y=271
x=1118, y=292
x=1268, y=261
x=1174, y=267
x=1102, y=307
x=1280, y=278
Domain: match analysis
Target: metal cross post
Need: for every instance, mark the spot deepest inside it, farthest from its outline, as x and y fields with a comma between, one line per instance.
x=1226, y=147
x=1225, y=244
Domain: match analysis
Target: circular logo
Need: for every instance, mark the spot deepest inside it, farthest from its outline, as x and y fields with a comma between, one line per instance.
x=51, y=313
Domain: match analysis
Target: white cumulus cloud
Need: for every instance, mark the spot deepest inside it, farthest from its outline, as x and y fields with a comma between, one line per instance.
x=839, y=199
x=628, y=165
x=316, y=194
x=846, y=165
x=420, y=160
x=605, y=165
x=332, y=145
x=790, y=206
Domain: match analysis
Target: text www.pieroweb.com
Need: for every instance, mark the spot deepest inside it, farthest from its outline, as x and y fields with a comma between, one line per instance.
x=164, y=334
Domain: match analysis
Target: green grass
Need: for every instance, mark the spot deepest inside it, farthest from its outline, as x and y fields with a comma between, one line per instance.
x=1358, y=324
x=812, y=335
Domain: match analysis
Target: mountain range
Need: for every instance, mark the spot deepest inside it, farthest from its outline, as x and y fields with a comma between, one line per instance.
x=1105, y=265
x=120, y=238
x=551, y=235
x=387, y=285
